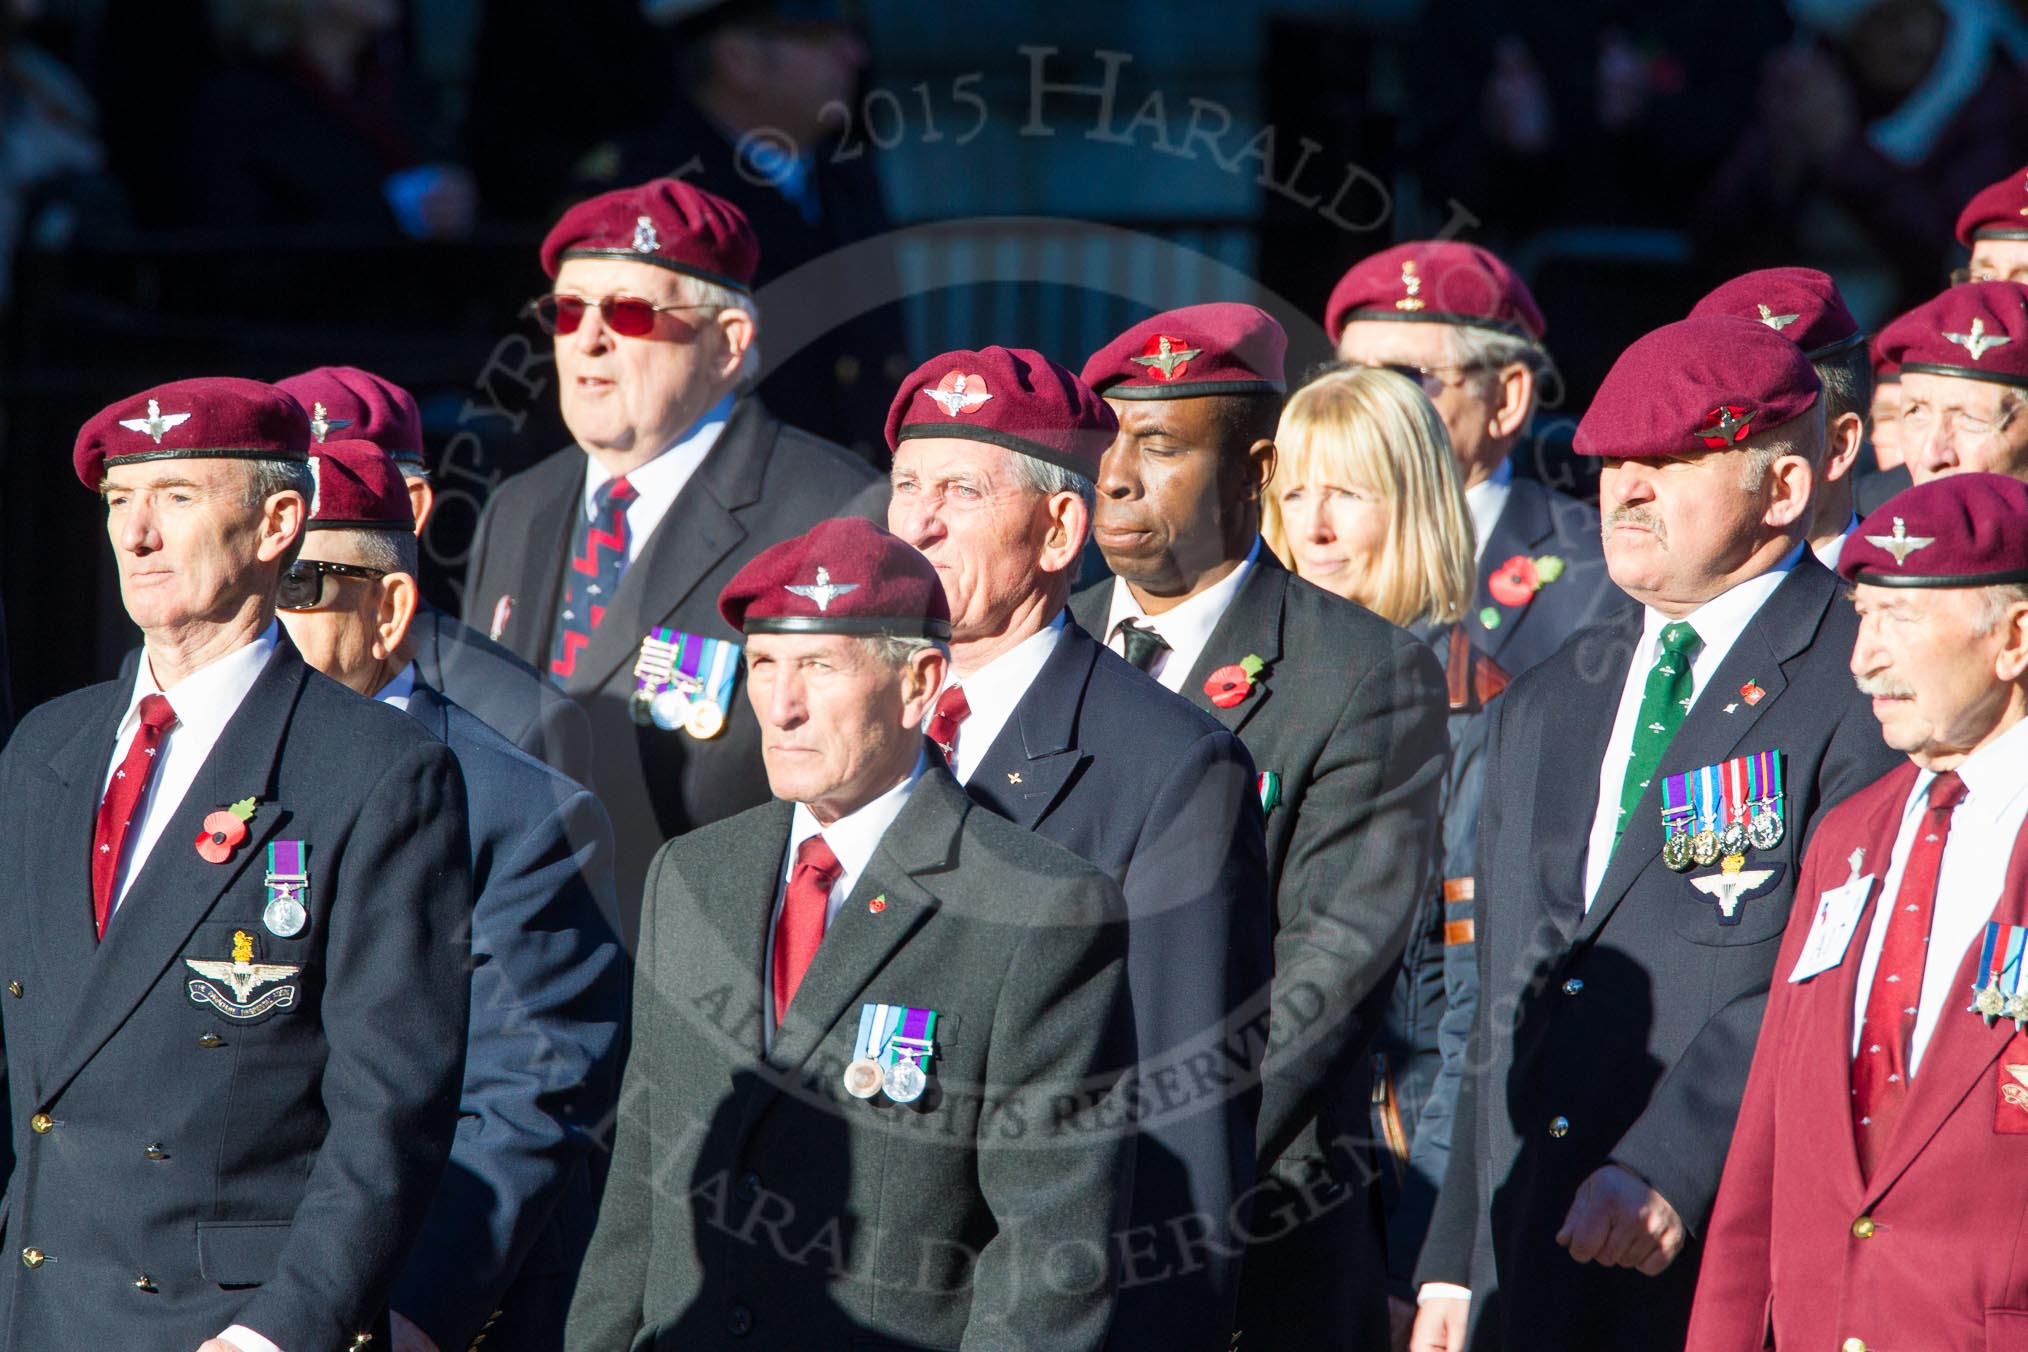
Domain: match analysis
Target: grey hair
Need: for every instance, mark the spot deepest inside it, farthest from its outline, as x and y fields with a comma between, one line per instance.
x=265, y=478
x=1042, y=477
x=391, y=551
x=895, y=651
x=1481, y=354
x=1994, y=603
x=697, y=291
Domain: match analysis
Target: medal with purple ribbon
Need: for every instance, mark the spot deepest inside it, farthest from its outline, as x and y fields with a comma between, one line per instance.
x=286, y=881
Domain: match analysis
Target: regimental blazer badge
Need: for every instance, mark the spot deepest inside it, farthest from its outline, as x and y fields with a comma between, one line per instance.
x=240, y=978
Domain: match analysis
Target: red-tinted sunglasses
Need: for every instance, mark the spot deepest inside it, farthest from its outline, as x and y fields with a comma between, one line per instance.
x=628, y=316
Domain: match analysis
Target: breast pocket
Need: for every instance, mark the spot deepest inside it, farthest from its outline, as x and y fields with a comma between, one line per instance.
x=241, y=975
x=1747, y=906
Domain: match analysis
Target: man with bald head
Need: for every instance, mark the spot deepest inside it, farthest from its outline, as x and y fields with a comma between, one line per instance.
x=995, y=453
x=1457, y=319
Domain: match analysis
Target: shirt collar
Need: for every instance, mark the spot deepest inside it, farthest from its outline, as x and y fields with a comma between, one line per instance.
x=854, y=836
x=398, y=690
x=207, y=698
x=667, y=472
x=1188, y=626
x=1995, y=775
x=1720, y=621
x=1002, y=682
x=1484, y=501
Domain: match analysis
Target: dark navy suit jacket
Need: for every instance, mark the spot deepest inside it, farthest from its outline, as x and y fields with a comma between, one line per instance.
x=206, y=1164
x=511, y=1220
x=1099, y=758
x=508, y=695
x=1622, y=1033
x=1539, y=522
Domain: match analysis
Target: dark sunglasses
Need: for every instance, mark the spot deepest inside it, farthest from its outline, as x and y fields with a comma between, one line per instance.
x=628, y=316
x=303, y=585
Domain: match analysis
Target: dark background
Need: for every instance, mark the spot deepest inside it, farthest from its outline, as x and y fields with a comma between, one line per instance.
x=174, y=203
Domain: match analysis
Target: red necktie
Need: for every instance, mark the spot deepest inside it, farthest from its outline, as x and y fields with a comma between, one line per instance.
x=801, y=927
x=123, y=799
x=952, y=709
x=1880, y=1071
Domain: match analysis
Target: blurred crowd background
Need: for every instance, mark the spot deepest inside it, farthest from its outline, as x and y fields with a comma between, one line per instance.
x=254, y=187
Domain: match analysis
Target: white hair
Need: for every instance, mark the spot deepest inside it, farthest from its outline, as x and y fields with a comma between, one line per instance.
x=697, y=291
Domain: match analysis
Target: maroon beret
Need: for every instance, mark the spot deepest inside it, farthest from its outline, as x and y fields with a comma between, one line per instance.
x=664, y=222
x=212, y=418
x=1997, y=212
x=1960, y=530
x=845, y=576
x=1895, y=331
x=1801, y=304
x=359, y=487
x=1221, y=348
x=1006, y=396
x=1978, y=331
x=1436, y=282
x=1697, y=385
x=362, y=406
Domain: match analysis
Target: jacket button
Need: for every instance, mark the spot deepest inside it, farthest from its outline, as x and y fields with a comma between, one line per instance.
x=1573, y=986
x=32, y=1258
x=211, y=1040
x=42, y=1124
x=740, y=1322
x=1559, y=1127
x=1863, y=1227
x=14, y=989
x=749, y=1187
x=155, y=1151
x=360, y=1340
x=145, y=1283
x=1852, y=1345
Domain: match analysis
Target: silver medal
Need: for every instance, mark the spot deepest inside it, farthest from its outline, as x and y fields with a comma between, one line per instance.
x=285, y=917
x=669, y=709
x=905, y=1082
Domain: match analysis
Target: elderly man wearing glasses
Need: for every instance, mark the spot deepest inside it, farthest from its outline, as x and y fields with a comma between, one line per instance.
x=602, y=564
x=1458, y=321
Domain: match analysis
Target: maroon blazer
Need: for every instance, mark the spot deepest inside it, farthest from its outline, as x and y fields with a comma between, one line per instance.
x=1932, y=1251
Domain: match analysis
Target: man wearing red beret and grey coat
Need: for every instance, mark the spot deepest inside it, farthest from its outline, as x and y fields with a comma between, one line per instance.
x=1648, y=792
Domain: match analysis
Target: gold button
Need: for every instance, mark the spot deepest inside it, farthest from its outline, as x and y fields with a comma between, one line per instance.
x=361, y=1339
x=211, y=1040
x=156, y=1152
x=31, y=1258
x=42, y=1124
x=1852, y=1345
x=145, y=1283
x=1559, y=1127
x=14, y=989
x=1863, y=1227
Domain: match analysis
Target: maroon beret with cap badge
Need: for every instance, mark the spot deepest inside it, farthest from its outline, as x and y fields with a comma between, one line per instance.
x=664, y=222
x=359, y=487
x=1222, y=348
x=1960, y=530
x=1005, y=396
x=1998, y=211
x=359, y=406
x=1801, y=304
x=211, y=418
x=1978, y=331
x=842, y=576
x=1700, y=384
x=1435, y=281
x=1887, y=370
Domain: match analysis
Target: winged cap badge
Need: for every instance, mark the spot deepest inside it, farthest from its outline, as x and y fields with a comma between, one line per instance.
x=1167, y=357
x=1775, y=321
x=825, y=591
x=1901, y=544
x=156, y=423
x=322, y=426
x=1978, y=342
x=958, y=393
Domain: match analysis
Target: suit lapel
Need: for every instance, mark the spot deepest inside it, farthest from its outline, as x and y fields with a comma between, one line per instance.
x=1522, y=524
x=722, y=947
x=1782, y=628
x=1250, y=627
x=537, y=571
x=922, y=841
x=176, y=887
x=427, y=633
x=1025, y=770
x=698, y=531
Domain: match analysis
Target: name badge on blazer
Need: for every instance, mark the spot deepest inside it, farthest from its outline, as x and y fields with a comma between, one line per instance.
x=1831, y=927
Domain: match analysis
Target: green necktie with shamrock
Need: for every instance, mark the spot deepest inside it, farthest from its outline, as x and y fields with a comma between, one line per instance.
x=1665, y=701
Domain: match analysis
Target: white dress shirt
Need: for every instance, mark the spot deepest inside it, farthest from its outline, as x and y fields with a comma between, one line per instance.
x=852, y=839
x=1719, y=622
x=993, y=690
x=205, y=702
x=657, y=483
x=1485, y=501
x=1832, y=552
x=1968, y=886
x=1186, y=628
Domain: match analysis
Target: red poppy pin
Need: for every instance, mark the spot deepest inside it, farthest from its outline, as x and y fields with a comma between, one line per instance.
x=224, y=831
x=1231, y=684
x=1521, y=577
x=1752, y=693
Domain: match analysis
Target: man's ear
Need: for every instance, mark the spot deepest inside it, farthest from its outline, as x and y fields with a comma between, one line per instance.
x=422, y=500
x=1260, y=463
x=399, y=597
x=1516, y=401
x=282, y=519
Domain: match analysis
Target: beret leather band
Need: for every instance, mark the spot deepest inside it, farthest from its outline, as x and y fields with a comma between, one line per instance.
x=1997, y=232
x=900, y=626
x=208, y=453
x=1185, y=390
x=1440, y=317
x=319, y=523
x=994, y=436
x=1875, y=579
x=1830, y=350
x=633, y=256
x=1926, y=368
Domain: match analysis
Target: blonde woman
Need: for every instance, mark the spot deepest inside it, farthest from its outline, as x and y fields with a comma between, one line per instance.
x=1365, y=502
